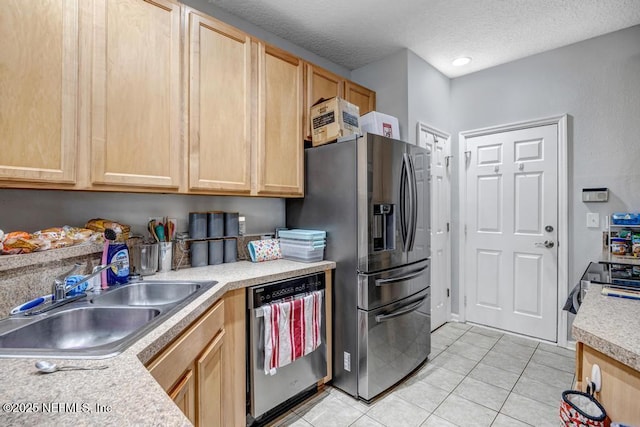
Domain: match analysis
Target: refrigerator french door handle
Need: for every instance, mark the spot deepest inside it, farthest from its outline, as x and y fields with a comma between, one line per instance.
x=413, y=204
x=406, y=309
x=404, y=182
x=411, y=275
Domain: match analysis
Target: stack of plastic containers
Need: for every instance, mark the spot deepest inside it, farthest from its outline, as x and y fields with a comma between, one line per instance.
x=303, y=245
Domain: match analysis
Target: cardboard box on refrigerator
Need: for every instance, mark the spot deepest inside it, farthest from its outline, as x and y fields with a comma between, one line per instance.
x=380, y=124
x=332, y=119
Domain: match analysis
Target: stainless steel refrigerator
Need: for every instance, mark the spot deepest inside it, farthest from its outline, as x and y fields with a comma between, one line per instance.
x=371, y=195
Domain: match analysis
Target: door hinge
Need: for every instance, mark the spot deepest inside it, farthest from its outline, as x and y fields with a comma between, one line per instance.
x=465, y=300
x=465, y=229
x=448, y=293
x=447, y=227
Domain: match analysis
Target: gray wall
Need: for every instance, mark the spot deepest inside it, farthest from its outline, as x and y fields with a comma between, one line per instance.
x=428, y=96
x=596, y=82
x=32, y=210
x=410, y=89
x=388, y=77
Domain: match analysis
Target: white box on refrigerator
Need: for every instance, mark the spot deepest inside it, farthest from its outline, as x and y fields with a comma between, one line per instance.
x=380, y=124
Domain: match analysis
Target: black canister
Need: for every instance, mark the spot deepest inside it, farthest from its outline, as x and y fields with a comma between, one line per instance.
x=231, y=225
x=199, y=254
x=215, y=224
x=197, y=225
x=230, y=250
x=216, y=252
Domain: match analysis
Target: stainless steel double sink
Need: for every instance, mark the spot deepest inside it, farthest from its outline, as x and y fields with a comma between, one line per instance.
x=100, y=325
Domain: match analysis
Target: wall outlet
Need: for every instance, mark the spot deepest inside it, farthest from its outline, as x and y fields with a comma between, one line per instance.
x=593, y=220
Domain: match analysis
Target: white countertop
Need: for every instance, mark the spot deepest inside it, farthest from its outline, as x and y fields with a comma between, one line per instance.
x=125, y=393
x=610, y=325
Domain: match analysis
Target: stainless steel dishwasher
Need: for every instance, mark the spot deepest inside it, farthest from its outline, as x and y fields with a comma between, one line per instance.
x=266, y=393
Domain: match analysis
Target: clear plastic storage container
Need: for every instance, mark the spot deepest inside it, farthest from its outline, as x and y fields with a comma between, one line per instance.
x=301, y=252
x=300, y=234
x=311, y=244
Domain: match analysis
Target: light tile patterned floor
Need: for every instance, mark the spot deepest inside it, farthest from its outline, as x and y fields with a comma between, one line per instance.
x=474, y=377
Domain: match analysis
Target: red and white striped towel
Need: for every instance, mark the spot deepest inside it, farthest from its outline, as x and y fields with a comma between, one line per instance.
x=291, y=330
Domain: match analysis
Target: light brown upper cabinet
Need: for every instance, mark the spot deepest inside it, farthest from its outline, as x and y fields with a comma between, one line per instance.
x=38, y=91
x=319, y=83
x=280, y=161
x=219, y=114
x=135, y=94
x=364, y=98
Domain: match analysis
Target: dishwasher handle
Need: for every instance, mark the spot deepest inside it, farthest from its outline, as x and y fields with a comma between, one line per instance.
x=259, y=311
x=406, y=309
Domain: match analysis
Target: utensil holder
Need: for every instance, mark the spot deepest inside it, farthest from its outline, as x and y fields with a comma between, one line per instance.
x=165, y=256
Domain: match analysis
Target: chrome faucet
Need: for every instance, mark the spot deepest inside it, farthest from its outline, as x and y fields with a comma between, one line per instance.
x=60, y=289
x=59, y=283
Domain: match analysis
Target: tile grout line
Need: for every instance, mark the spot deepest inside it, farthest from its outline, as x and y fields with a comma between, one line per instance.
x=511, y=391
x=466, y=375
x=440, y=367
x=516, y=383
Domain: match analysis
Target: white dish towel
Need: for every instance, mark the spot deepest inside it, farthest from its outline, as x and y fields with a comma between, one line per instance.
x=291, y=330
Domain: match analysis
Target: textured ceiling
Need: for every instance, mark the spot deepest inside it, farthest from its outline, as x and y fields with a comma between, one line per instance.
x=353, y=33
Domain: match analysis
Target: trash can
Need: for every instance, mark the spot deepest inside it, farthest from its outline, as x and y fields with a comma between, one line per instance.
x=578, y=409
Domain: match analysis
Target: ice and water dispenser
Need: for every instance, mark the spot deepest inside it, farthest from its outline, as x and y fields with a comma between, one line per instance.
x=384, y=227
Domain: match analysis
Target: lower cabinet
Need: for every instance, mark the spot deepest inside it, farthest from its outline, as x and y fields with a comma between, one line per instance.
x=203, y=361
x=184, y=394
x=620, y=391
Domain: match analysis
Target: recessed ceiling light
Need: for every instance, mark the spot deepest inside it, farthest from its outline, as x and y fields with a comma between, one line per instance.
x=459, y=62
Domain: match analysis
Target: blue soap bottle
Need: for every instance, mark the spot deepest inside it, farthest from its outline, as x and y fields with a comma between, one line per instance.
x=118, y=252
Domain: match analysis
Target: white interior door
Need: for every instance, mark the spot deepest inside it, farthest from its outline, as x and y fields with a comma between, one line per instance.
x=511, y=255
x=439, y=145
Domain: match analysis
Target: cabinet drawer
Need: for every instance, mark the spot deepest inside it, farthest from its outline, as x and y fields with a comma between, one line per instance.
x=168, y=367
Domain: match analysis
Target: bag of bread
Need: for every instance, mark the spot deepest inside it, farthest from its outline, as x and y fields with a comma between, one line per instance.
x=81, y=235
x=100, y=224
x=20, y=242
x=51, y=234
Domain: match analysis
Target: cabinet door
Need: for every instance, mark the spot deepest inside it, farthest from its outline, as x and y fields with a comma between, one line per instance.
x=280, y=148
x=135, y=129
x=219, y=106
x=39, y=90
x=364, y=98
x=620, y=389
x=184, y=394
x=209, y=368
x=320, y=83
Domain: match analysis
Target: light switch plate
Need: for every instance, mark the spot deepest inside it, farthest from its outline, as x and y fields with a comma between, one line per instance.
x=593, y=220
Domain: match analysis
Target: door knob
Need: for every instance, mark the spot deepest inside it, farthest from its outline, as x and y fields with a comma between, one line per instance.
x=546, y=244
